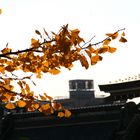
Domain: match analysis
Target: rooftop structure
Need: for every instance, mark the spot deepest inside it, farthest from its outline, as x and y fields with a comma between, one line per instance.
x=122, y=91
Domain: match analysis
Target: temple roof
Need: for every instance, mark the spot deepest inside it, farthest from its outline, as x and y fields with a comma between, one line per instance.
x=124, y=90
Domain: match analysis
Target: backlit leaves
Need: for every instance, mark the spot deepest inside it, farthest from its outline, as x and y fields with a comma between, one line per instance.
x=47, y=54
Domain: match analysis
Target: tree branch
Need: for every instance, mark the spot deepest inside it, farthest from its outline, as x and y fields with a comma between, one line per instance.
x=102, y=40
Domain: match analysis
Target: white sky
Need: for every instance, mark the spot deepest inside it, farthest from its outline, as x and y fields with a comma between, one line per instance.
x=93, y=17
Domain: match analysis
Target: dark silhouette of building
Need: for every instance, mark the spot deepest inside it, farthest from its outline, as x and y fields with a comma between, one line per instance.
x=82, y=94
x=121, y=91
x=113, y=119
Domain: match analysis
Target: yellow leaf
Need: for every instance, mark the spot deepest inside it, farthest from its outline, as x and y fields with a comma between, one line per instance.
x=46, y=108
x=109, y=34
x=30, y=94
x=103, y=49
x=23, y=91
x=88, y=53
x=10, y=106
x=115, y=35
x=57, y=106
x=106, y=42
x=8, y=95
x=38, y=75
x=123, y=34
x=123, y=40
x=36, y=105
x=48, y=97
x=95, y=59
x=54, y=71
x=0, y=11
x=42, y=98
x=3, y=99
x=21, y=103
x=30, y=107
x=27, y=88
x=61, y=114
x=34, y=43
x=91, y=49
x=6, y=50
x=75, y=32
x=84, y=62
x=111, y=49
x=67, y=113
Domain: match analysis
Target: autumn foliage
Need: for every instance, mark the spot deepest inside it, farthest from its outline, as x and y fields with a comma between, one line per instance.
x=48, y=54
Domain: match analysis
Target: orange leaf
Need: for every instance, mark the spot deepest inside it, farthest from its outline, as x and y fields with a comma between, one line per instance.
x=42, y=98
x=36, y=105
x=0, y=11
x=123, y=40
x=67, y=113
x=46, y=108
x=103, y=49
x=109, y=34
x=61, y=114
x=114, y=36
x=8, y=95
x=91, y=49
x=30, y=107
x=75, y=32
x=111, y=49
x=48, y=97
x=3, y=99
x=95, y=59
x=123, y=34
x=23, y=91
x=88, y=53
x=57, y=106
x=10, y=106
x=107, y=41
x=38, y=75
x=21, y=103
x=34, y=43
x=54, y=71
x=27, y=88
x=84, y=62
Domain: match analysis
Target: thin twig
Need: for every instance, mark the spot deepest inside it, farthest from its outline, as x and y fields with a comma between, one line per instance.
x=104, y=39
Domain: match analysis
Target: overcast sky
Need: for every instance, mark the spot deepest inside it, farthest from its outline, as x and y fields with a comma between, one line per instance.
x=93, y=17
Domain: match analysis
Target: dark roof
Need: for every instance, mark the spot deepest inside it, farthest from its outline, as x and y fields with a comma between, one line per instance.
x=121, y=86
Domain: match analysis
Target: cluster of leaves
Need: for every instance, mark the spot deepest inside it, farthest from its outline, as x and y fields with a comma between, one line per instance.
x=48, y=54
